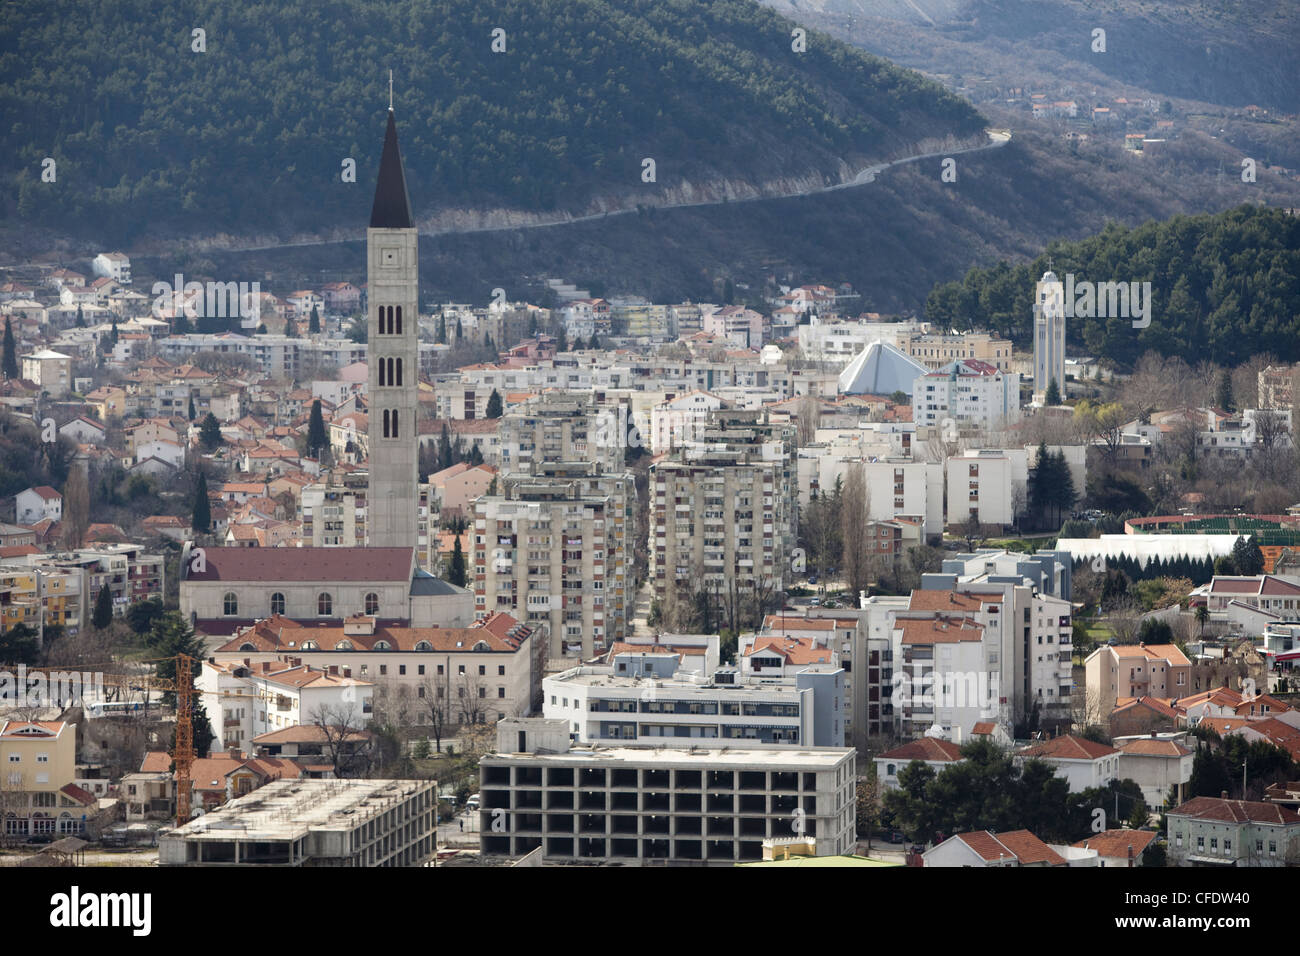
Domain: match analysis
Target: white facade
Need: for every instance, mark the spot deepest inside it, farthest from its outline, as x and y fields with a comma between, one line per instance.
x=988, y=484
x=966, y=394
x=680, y=420
x=114, y=265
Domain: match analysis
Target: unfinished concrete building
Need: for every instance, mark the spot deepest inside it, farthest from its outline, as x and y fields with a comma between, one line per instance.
x=312, y=823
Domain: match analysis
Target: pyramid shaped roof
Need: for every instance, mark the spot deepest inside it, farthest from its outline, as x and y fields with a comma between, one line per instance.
x=880, y=369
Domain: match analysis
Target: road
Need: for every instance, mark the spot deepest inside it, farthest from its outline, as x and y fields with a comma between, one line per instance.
x=996, y=138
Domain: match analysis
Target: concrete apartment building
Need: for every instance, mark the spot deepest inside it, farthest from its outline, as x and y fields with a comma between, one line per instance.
x=642, y=697
x=636, y=806
x=987, y=484
x=337, y=823
x=560, y=427
x=1134, y=670
x=724, y=508
x=552, y=550
x=968, y=392
x=50, y=370
x=896, y=486
x=474, y=674
x=332, y=511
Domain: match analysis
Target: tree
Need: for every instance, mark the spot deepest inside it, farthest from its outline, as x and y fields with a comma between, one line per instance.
x=594, y=343
x=855, y=512
x=142, y=615
x=317, y=437
x=10, y=351
x=81, y=317
x=456, y=571
x=76, y=507
x=112, y=334
x=193, y=413
x=494, y=405
x=1202, y=615
x=201, y=515
x=103, y=614
x=868, y=807
x=210, y=432
x=346, y=742
x=1053, y=394
x=313, y=323
x=19, y=645
x=290, y=327
x=1223, y=393
x=561, y=341
x=1247, y=557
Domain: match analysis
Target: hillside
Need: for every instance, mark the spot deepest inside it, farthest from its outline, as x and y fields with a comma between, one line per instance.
x=249, y=136
x=1225, y=286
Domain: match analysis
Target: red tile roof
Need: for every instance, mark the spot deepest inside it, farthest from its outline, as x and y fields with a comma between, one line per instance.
x=927, y=748
x=1069, y=747
x=1116, y=843
x=1236, y=811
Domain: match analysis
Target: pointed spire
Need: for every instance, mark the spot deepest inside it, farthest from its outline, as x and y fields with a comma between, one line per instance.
x=392, y=206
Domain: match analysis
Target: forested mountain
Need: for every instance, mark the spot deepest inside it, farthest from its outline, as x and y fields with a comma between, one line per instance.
x=1223, y=287
x=249, y=136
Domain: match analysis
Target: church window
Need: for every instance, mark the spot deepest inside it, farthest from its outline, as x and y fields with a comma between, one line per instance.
x=324, y=604
x=277, y=603
x=230, y=603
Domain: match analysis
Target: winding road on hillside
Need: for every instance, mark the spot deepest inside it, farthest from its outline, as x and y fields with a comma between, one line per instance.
x=996, y=138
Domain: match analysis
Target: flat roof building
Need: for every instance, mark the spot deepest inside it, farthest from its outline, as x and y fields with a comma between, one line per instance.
x=312, y=823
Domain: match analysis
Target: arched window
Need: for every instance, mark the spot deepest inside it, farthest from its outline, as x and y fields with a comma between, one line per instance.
x=277, y=603
x=399, y=320
x=324, y=604
x=394, y=420
x=230, y=603
x=482, y=646
x=247, y=647
x=399, y=371
x=391, y=380
x=424, y=646
x=343, y=646
x=381, y=372
x=385, y=423
x=383, y=646
x=310, y=646
x=372, y=603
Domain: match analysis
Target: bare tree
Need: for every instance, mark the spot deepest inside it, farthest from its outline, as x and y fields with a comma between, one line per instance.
x=471, y=697
x=76, y=507
x=346, y=742
x=855, y=512
x=432, y=694
x=808, y=417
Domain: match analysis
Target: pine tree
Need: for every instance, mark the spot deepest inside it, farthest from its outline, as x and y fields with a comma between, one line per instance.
x=442, y=330
x=103, y=615
x=112, y=335
x=313, y=324
x=594, y=343
x=444, y=448
x=81, y=317
x=1053, y=394
x=210, y=432
x=193, y=410
x=456, y=572
x=316, y=435
x=10, y=351
x=562, y=342
x=1223, y=394
x=494, y=408
x=201, y=520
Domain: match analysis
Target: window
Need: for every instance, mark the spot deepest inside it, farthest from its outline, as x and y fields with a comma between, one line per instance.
x=501, y=692
x=324, y=604
x=501, y=670
x=386, y=428
x=372, y=603
x=383, y=670
x=394, y=423
x=462, y=668
x=439, y=670
x=42, y=758
x=230, y=604
x=482, y=671
x=277, y=603
x=482, y=692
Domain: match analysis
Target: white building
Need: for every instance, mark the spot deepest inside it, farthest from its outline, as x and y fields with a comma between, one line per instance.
x=967, y=394
x=1082, y=763
x=114, y=265
x=38, y=504
x=1049, y=336
x=988, y=484
x=244, y=701
x=51, y=370
x=682, y=419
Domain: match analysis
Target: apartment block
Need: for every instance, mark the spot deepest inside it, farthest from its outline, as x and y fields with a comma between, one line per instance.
x=561, y=427
x=552, y=550
x=337, y=823
x=637, y=806
x=969, y=393
x=333, y=511
x=1134, y=670
x=987, y=484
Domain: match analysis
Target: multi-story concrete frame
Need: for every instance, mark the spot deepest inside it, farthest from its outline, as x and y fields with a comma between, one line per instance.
x=392, y=274
x=313, y=823
x=629, y=805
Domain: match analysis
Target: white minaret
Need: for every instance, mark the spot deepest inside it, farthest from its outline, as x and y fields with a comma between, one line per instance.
x=392, y=275
x=1049, y=336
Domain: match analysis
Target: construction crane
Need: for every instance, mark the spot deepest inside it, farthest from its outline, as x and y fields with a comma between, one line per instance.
x=183, y=688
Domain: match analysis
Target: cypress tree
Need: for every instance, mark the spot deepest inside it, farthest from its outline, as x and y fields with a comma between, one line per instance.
x=193, y=411
x=10, y=351
x=210, y=432
x=316, y=435
x=456, y=573
x=103, y=615
x=81, y=317
x=494, y=408
x=313, y=324
x=201, y=521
